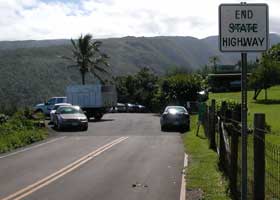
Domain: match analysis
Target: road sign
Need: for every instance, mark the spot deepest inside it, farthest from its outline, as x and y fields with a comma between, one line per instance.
x=243, y=27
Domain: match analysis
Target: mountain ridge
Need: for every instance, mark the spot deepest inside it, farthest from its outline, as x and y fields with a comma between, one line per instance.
x=31, y=71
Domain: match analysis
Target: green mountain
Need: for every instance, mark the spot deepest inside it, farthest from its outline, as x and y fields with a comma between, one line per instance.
x=32, y=71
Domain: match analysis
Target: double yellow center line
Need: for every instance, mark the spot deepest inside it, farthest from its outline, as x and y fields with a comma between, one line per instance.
x=69, y=168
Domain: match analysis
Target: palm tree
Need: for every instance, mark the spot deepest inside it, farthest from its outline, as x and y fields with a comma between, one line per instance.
x=88, y=58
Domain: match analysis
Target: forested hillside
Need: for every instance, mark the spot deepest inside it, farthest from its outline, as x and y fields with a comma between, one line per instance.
x=31, y=71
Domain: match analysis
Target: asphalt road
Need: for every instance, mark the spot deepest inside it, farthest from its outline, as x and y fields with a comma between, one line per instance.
x=123, y=157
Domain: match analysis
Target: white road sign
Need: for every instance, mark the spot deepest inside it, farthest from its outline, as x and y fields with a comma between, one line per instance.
x=243, y=27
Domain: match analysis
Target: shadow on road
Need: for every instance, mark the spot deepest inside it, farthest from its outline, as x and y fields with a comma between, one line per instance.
x=101, y=120
x=174, y=130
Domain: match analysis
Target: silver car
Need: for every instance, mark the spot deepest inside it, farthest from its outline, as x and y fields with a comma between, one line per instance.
x=175, y=116
x=70, y=117
x=56, y=106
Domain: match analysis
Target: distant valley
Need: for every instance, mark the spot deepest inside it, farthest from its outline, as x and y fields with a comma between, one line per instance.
x=31, y=71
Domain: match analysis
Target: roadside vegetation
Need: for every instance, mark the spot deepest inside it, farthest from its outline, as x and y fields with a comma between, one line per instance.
x=157, y=92
x=270, y=107
x=20, y=130
x=204, y=180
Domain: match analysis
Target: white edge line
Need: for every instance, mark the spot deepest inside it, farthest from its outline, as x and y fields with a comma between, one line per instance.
x=33, y=147
x=183, y=184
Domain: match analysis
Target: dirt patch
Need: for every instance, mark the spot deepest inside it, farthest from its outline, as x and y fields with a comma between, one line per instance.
x=194, y=194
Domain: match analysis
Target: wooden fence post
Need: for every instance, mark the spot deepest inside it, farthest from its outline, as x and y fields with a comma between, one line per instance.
x=259, y=157
x=212, y=125
x=206, y=121
x=223, y=109
x=222, y=149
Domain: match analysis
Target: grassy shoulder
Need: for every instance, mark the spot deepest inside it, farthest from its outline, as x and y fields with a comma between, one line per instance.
x=270, y=108
x=202, y=171
x=20, y=131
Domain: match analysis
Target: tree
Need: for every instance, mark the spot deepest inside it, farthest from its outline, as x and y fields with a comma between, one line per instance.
x=139, y=88
x=213, y=60
x=273, y=53
x=267, y=73
x=180, y=88
x=88, y=58
x=204, y=71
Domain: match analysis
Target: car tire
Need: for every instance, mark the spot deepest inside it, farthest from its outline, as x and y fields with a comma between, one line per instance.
x=58, y=126
x=84, y=128
x=55, y=124
x=185, y=128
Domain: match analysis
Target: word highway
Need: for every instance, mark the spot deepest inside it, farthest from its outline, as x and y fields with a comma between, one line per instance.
x=241, y=29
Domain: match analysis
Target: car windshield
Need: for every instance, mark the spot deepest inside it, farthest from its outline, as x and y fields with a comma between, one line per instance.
x=56, y=107
x=70, y=110
x=61, y=100
x=176, y=109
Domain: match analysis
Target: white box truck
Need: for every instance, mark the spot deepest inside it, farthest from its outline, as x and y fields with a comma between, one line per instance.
x=95, y=100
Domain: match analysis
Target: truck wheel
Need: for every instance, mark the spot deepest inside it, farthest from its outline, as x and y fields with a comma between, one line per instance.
x=98, y=116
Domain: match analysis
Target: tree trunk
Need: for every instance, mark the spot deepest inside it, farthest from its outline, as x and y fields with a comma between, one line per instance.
x=257, y=92
x=265, y=96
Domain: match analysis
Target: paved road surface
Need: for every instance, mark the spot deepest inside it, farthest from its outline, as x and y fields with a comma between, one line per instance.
x=123, y=157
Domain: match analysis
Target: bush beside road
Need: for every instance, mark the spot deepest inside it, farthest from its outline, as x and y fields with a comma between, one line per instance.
x=20, y=130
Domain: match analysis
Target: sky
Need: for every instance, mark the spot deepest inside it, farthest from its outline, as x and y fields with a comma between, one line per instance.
x=65, y=19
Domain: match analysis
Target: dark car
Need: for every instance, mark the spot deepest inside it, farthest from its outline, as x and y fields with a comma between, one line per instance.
x=175, y=116
x=121, y=107
x=131, y=108
x=141, y=108
x=70, y=117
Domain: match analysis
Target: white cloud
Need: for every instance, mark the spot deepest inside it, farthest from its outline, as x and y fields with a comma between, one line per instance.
x=35, y=19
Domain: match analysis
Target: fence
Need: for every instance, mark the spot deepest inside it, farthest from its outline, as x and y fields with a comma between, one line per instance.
x=223, y=130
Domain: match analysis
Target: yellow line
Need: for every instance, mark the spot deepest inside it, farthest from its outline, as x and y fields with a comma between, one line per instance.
x=49, y=179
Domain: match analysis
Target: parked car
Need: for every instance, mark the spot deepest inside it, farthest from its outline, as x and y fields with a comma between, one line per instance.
x=56, y=106
x=46, y=107
x=175, y=116
x=141, y=108
x=70, y=117
x=120, y=107
x=131, y=108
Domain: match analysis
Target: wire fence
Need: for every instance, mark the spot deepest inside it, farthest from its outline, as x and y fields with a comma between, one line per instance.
x=263, y=157
x=272, y=172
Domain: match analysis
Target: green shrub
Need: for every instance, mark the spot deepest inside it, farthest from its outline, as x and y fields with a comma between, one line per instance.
x=20, y=130
x=3, y=118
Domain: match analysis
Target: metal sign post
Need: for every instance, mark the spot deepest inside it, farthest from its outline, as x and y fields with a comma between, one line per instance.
x=244, y=125
x=243, y=28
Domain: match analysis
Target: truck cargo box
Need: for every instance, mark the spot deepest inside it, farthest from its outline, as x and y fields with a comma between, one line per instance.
x=92, y=96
